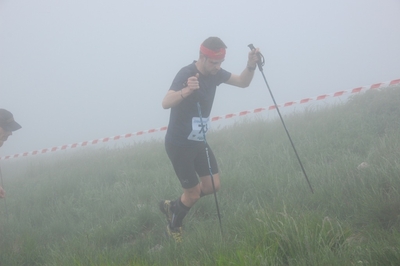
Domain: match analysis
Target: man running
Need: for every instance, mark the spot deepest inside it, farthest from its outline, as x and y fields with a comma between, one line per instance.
x=184, y=142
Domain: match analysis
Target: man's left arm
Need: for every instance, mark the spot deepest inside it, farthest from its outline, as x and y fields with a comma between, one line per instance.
x=244, y=79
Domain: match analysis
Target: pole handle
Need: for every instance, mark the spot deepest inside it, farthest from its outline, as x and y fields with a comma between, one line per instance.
x=260, y=61
x=251, y=46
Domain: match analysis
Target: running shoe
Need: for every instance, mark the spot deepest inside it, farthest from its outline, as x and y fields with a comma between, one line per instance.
x=175, y=233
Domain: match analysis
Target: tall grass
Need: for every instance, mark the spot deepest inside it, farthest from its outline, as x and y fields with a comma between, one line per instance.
x=99, y=207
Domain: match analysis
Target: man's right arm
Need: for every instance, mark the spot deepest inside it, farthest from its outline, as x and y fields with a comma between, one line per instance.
x=173, y=98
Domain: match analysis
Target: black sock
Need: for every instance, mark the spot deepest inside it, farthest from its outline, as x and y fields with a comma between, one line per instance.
x=179, y=211
x=182, y=206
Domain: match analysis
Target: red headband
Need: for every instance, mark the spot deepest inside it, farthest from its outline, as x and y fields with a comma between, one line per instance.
x=216, y=55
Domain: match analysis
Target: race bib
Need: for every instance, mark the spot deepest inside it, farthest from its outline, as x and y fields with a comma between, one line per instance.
x=199, y=129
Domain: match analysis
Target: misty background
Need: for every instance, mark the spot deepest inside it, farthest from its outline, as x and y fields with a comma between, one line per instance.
x=72, y=71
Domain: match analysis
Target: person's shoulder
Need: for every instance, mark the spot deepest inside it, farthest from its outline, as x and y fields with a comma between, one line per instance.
x=181, y=77
x=222, y=76
x=225, y=75
x=188, y=70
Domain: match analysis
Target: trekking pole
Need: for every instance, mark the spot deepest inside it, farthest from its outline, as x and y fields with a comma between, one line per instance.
x=260, y=64
x=209, y=164
x=2, y=185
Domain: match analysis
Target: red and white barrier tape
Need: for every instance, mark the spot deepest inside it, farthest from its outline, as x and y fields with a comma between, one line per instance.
x=216, y=118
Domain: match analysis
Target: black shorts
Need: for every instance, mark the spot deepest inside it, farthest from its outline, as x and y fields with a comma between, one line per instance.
x=189, y=162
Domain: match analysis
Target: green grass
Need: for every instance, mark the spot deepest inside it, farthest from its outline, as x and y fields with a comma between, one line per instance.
x=99, y=207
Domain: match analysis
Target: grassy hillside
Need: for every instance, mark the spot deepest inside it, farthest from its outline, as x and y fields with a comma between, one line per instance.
x=99, y=207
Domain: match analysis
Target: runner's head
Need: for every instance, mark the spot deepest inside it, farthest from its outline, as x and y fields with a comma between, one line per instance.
x=212, y=54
